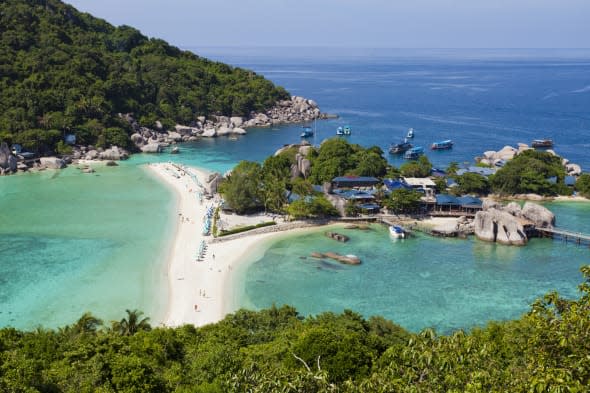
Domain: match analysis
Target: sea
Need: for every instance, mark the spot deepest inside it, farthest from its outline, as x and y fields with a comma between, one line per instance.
x=73, y=242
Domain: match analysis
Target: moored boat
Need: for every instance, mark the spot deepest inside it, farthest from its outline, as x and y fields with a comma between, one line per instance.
x=542, y=143
x=410, y=133
x=442, y=145
x=347, y=130
x=307, y=132
x=414, y=153
x=398, y=148
x=397, y=232
x=339, y=131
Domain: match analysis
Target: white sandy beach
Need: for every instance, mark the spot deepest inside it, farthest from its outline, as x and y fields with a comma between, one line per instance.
x=200, y=291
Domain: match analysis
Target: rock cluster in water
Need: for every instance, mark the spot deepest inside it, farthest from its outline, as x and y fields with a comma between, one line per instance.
x=337, y=236
x=506, y=224
x=496, y=158
x=295, y=110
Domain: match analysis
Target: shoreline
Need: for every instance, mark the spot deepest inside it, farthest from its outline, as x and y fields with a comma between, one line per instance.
x=202, y=292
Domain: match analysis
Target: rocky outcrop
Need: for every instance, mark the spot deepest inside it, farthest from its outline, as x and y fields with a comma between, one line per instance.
x=295, y=110
x=499, y=226
x=8, y=162
x=114, y=154
x=212, y=182
x=91, y=155
x=573, y=169
x=151, y=148
x=539, y=215
x=513, y=208
x=52, y=162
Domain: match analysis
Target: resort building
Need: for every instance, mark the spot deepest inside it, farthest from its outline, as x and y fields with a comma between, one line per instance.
x=424, y=185
x=354, y=181
x=449, y=205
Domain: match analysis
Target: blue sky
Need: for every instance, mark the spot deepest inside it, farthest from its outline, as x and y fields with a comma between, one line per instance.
x=354, y=23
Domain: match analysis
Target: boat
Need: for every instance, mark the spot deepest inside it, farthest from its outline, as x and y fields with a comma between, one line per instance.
x=397, y=232
x=410, y=133
x=307, y=132
x=397, y=148
x=414, y=153
x=442, y=145
x=347, y=130
x=542, y=143
x=339, y=131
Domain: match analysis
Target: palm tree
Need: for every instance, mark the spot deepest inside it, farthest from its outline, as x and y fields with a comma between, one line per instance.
x=132, y=324
x=87, y=323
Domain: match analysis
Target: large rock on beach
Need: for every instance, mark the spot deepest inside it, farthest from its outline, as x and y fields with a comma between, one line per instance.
x=539, y=215
x=52, y=162
x=114, y=154
x=224, y=130
x=8, y=162
x=212, y=182
x=151, y=148
x=91, y=155
x=137, y=139
x=209, y=133
x=498, y=226
x=513, y=208
x=239, y=131
x=174, y=136
x=236, y=121
x=573, y=169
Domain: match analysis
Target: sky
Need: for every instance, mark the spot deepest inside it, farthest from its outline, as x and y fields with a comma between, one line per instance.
x=354, y=23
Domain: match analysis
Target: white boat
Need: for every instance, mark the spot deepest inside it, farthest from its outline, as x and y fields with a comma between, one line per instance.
x=397, y=232
x=410, y=133
x=339, y=131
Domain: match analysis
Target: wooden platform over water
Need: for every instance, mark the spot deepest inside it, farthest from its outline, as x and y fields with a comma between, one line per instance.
x=566, y=236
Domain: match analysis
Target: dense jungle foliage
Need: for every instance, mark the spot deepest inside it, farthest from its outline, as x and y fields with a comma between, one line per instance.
x=529, y=172
x=62, y=71
x=253, y=187
x=277, y=350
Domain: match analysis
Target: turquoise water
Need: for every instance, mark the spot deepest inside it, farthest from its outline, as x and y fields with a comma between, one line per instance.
x=72, y=242
x=418, y=282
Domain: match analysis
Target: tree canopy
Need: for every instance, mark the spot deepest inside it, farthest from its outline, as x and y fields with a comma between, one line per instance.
x=529, y=172
x=65, y=71
x=278, y=350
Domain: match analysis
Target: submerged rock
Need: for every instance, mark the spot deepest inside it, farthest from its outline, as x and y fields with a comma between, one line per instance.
x=337, y=236
x=346, y=259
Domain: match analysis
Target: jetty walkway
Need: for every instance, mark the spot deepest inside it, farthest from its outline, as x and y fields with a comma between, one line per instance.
x=566, y=236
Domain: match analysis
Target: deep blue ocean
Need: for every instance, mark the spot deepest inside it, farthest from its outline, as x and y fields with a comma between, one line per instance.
x=68, y=245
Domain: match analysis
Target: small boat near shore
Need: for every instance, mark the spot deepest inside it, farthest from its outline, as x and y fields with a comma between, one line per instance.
x=410, y=133
x=397, y=232
x=398, y=148
x=307, y=132
x=442, y=145
x=414, y=153
x=542, y=143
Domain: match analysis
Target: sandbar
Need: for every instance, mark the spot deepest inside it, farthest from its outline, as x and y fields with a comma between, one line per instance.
x=201, y=291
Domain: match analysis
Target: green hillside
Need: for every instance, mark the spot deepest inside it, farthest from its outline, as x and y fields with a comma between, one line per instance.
x=66, y=71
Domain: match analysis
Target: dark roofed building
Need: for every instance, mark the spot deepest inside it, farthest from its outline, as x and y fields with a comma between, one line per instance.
x=354, y=181
x=451, y=205
x=396, y=184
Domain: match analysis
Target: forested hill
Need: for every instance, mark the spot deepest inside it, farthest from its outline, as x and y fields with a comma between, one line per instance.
x=63, y=70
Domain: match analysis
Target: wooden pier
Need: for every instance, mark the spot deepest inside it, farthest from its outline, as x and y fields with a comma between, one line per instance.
x=566, y=236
